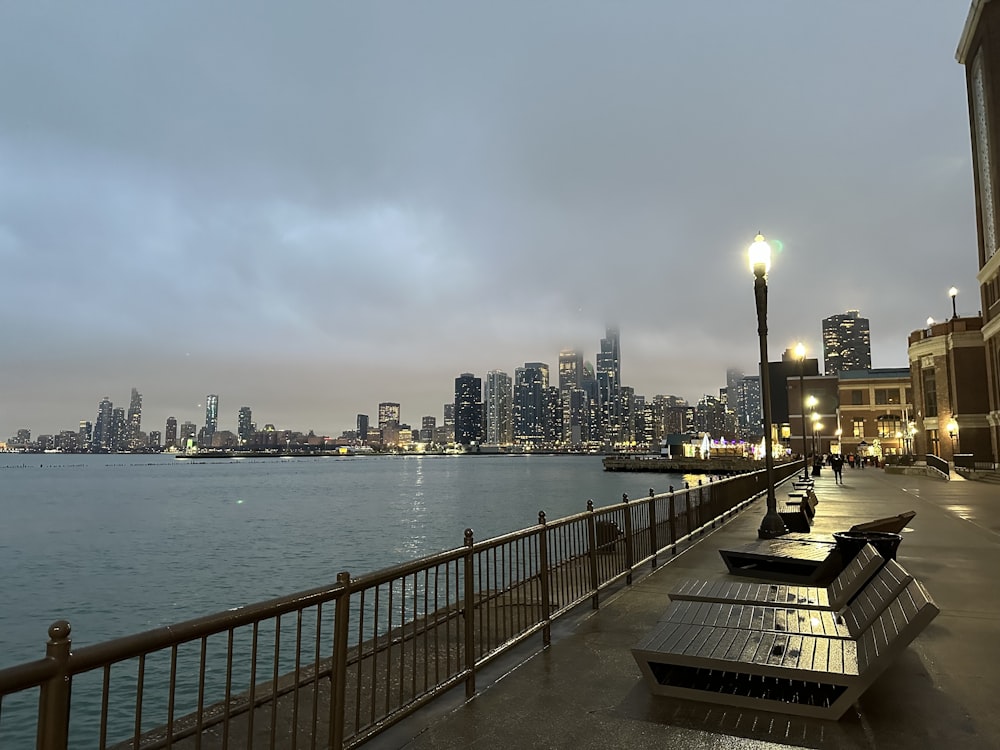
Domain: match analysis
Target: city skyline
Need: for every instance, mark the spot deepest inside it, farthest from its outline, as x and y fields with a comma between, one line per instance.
x=276, y=233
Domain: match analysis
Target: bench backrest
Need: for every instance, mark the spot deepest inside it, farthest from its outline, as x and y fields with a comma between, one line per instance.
x=902, y=621
x=875, y=597
x=857, y=573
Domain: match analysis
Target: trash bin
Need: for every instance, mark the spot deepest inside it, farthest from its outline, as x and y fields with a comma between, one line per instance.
x=850, y=543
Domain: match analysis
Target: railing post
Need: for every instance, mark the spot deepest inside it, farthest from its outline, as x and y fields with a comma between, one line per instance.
x=592, y=543
x=629, y=549
x=543, y=563
x=652, y=525
x=687, y=508
x=672, y=520
x=701, y=501
x=470, y=617
x=53, y=698
x=341, y=625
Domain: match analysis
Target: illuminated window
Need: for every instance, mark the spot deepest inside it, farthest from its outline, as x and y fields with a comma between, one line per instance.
x=859, y=427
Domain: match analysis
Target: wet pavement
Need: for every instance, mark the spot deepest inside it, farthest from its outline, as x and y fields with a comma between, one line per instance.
x=585, y=691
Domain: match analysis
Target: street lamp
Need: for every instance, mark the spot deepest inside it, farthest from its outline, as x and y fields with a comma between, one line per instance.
x=800, y=353
x=838, y=433
x=952, y=428
x=819, y=438
x=759, y=255
x=953, y=292
x=815, y=421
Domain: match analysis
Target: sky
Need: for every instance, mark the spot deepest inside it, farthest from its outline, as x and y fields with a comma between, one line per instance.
x=309, y=208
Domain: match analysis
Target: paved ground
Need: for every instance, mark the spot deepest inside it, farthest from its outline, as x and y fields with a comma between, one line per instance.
x=585, y=690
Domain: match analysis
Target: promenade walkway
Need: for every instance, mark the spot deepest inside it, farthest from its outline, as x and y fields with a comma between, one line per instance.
x=585, y=691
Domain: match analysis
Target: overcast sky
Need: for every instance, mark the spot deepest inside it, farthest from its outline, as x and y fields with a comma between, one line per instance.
x=312, y=207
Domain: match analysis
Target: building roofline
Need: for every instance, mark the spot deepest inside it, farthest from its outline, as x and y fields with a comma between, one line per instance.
x=969, y=30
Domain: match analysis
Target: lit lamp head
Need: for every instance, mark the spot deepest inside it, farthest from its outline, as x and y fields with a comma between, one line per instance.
x=952, y=428
x=930, y=322
x=759, y=255
x=811, y=403
x=800, y=351
x=953, y=292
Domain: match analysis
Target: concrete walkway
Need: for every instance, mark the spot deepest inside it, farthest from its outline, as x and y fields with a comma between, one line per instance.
x=585, y=690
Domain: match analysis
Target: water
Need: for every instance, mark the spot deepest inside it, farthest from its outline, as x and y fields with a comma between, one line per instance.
x=121, y=544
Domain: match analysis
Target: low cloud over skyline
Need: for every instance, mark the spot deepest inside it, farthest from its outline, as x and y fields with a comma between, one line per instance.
x=310, y=209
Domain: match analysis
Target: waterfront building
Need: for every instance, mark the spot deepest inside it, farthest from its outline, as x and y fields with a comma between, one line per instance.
x=153, y=441
x=449, y=414
x=846, y=343
x=84, y=435
x=102, y=427
x=211, y=416
x=388, y=413
x=498, y=402
x=552, y=422
x=119, y=442
x=170, y=433
x=530, y=383
x=980, y=55
x=468, y=409
x=362, y=428
x=427, y=426
x=244, y=425
x=875, y=412
x=948, y=374
x=188, y=432
x=750, y=417
x=134, y=428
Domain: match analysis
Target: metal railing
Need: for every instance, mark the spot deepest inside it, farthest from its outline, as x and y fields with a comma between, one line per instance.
x=335, y=665
x=939, y=465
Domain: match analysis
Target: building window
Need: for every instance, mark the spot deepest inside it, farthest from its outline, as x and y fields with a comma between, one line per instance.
x=930, y=392
x=889, y=427
x=884, y=396
x=857, y=397
x=859, y=427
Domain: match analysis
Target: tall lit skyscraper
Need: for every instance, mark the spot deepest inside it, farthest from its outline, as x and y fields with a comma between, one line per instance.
x=609, y=378
x=170, y=433
x=134, y=421
x=244, y=425
x=468, y=409
x=499, y=394
x=530, y=384
x=846, y=343
x=570, y=369
x=388, y=413
x=103, y=426
x=211, y=416
x=362, y=429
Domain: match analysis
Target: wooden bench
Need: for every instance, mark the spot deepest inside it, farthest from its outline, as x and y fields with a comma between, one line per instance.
x=835, y=596
x=805, y=675
x=849, y=622
x=805, y=501
x=892, y=524
x=790, y=561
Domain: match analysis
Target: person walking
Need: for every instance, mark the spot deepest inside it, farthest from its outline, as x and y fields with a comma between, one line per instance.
x=837, y=463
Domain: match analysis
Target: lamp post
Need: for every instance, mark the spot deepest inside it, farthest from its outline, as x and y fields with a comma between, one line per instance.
x=814, y=417
x=840, y=449
x=953, y=292
x=952, y=428
x=819, y=438
x=759, y=255
x=800, y=353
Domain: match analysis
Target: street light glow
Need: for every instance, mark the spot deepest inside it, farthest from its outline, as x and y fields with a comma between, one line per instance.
x=800, y=351
x=759, y=254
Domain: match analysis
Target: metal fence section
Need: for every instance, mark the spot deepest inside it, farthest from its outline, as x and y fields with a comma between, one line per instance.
x=335, y=665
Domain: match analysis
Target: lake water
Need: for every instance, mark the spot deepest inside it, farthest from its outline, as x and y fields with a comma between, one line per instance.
x=121, y=544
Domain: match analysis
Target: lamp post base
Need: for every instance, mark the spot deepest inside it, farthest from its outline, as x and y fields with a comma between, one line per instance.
x=771, y=526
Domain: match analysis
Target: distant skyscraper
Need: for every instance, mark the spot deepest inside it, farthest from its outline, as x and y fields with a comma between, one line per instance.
x=388, y=412
x=449, y=414
x=85, y=434
x=609, y=378
x=846, y=343
x=362, y=428
x=119, y=431
x=211, y=416
x=170, y=433
x=750, y=418
x=427, y=427
x=244, y=425
x=530, y=384
x=468, y=409
x=498, y=399
x=134, y=420
x=570, y=369
x=103, y=426
x=188, y=432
